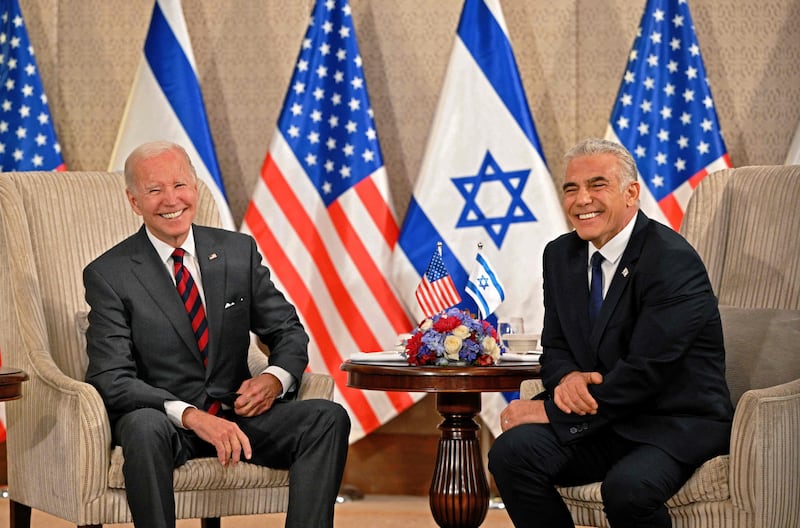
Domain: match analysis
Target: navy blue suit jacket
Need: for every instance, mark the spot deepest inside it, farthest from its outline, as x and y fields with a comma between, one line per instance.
x=657, y=342
x=140, y=343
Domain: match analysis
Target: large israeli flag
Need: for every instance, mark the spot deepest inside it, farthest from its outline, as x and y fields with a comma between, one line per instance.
x=483, y=179
x=165, y=102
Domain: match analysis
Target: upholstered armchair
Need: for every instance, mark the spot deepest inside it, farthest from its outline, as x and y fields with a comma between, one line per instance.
x=60, y=457
x=744, y=222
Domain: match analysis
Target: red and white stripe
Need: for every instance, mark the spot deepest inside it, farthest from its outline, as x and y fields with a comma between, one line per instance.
x=674, y=205
x=332, y=264
x=433, y=297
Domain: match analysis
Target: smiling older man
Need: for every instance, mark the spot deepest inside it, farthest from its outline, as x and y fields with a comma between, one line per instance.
x=633, y=362
x=172, y=308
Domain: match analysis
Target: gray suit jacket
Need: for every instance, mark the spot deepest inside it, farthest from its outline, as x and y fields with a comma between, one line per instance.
x=140, y=343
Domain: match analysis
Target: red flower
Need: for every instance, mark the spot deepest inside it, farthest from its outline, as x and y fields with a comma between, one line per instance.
x=445, y=324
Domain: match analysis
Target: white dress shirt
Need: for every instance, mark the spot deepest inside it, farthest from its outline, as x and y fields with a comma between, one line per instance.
x=612, y=252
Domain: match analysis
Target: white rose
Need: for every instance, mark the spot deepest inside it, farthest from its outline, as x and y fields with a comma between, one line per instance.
x=452, y=346
x=461, y=332
x=489, y=346
x=426, y=325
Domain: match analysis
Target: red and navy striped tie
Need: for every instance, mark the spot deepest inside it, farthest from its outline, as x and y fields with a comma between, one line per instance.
x=190, y=295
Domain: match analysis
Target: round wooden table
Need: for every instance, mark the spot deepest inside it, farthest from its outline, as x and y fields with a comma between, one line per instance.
x=459, y=493
x=11, y=383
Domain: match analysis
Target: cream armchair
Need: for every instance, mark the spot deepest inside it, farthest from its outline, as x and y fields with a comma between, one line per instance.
x=60, y=457
x=744, y=223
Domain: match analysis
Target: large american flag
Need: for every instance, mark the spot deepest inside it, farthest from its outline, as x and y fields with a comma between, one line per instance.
x=664, y=113
x=27, y=137
x=322, y=218
x=436, y=291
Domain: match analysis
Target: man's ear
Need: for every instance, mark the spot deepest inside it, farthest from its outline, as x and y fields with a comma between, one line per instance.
x=632, y=193
x=133, y=202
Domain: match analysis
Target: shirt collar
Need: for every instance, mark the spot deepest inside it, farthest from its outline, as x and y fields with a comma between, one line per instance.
x=613, y=249
x=164, y=250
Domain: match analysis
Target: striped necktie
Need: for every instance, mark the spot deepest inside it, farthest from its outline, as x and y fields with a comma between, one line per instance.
x=193, y=304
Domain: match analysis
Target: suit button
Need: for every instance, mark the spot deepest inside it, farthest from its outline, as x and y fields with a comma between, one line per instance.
x=573, y=430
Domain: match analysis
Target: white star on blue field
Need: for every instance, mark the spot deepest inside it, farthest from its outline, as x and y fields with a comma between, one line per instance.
x=512, y=181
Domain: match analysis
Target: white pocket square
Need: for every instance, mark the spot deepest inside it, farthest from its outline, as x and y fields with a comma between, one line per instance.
x=229, y=304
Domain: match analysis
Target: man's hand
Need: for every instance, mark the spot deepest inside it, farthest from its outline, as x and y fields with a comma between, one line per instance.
x=256, y=395
x=229, y=441
x=572, y=393
x=522, y=411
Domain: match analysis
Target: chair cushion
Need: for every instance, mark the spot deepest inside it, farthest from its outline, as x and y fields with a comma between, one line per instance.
x=208, y=474
x=708, y=484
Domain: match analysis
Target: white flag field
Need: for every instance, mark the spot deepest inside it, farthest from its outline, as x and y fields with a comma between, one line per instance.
x=483, y=179
x=165, y=102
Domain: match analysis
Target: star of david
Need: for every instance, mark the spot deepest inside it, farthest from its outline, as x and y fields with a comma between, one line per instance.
x=473, y=216
x=483, y=282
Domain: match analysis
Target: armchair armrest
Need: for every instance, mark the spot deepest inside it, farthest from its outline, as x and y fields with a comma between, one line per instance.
x=312, y=386
x=530, y=388
x=765, y=454
x=62, y=416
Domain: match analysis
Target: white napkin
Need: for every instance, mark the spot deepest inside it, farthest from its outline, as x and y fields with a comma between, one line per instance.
x=377, y=357
x=530, y=357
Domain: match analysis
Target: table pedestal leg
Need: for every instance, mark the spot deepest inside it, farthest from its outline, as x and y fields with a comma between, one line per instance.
x=459, y=494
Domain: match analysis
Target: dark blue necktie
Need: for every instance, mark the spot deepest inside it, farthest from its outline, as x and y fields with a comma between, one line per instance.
x=596, y=291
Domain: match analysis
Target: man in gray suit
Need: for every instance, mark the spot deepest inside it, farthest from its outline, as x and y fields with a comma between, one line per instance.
x=177, y=386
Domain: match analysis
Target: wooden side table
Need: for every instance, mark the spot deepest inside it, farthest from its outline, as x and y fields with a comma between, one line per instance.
x=11, y=383
x=459, y=493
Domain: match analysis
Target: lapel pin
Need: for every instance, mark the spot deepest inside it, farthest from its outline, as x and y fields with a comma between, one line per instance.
x=625, y=272
x=212, y=256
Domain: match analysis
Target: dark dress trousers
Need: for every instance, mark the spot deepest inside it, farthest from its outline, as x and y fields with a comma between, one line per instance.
x=658, y=343
x=142, y=352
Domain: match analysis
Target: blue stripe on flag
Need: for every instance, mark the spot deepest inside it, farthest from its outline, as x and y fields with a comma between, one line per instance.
x=479, y=31
x=167, y=61
x=491, y=274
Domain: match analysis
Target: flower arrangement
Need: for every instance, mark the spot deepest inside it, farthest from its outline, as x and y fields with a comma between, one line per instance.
x=453, y=336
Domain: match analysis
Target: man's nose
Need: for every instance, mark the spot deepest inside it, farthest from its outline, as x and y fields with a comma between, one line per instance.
x=584, y=196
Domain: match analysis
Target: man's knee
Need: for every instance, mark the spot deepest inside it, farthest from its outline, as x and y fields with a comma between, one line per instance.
x=521, y=445
x=629, y=497
x=331, y=416
x=144, y=428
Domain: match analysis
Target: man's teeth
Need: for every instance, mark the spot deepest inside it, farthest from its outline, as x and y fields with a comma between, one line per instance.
x=170, y=216
x=587, y=216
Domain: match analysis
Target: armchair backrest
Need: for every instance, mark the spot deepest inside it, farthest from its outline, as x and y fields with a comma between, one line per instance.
x=744, y=223
x=51, y=226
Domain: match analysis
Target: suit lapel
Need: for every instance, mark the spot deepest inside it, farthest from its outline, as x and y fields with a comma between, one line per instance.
x=621, y=278
x=155, y=280
x=213, y=266
x=577, y=287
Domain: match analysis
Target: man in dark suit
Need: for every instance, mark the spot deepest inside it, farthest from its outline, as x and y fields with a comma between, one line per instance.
x=146, y=357
x=637, y=398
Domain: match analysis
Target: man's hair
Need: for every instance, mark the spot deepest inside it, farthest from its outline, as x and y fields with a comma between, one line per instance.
x=592, y=146
x=150, y=150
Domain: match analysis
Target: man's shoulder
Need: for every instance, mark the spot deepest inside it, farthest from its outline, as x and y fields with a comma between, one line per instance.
x=122, y=250
x=221, y=236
